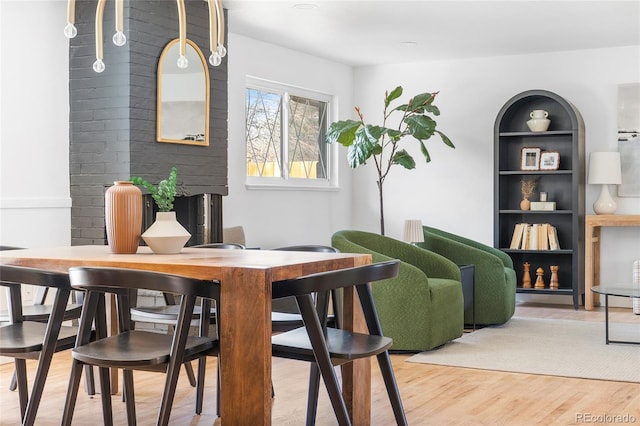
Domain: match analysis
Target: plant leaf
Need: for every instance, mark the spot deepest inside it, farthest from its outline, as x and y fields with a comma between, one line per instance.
x=363, y=146
x=420, y=127
x=425, y=152
x=445, y=139
x=395, y=94
x=343, y=132
x=403, y=158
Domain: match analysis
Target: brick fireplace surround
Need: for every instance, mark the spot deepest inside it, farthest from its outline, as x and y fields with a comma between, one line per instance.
x=113, y=121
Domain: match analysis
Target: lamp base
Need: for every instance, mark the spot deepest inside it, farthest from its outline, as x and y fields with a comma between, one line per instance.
x=605, y=204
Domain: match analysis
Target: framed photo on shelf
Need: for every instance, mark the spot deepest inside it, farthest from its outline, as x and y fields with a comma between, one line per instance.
x=549, y=160
x=530, y=158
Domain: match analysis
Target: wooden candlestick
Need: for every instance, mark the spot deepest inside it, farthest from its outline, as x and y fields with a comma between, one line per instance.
x=540, y=280
x=526, y=276
x=554, y=277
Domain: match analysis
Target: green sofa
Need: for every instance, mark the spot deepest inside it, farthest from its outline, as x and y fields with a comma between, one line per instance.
x=495, y=278
x=420, y=309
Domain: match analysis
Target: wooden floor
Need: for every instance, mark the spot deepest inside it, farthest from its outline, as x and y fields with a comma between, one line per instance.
x=432, y=395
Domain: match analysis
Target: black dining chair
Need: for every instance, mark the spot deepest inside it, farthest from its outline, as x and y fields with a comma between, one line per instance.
x=284, y=312
x=326, y=347
x=40, y=311
x=132, y=349
x=22, y=339
x=167, y=314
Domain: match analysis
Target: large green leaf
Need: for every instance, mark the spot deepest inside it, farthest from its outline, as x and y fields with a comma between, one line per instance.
x=362, y=148
x=343, y=132
x=403, y=158
x=420, y=127
x=395, y=94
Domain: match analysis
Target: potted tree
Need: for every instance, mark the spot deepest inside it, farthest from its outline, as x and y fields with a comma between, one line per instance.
x=365, y=141
x=165, y=235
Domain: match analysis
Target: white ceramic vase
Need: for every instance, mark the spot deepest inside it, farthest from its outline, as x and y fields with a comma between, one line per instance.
x=166, y=235
x=539, y=121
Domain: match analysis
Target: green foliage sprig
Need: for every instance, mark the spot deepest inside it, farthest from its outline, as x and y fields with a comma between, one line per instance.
x=365, y=141
x=165, y=193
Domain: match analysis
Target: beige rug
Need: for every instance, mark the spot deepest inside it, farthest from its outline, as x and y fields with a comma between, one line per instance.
x=546, y=346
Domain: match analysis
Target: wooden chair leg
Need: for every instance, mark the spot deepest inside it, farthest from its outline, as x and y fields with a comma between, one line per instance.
x=202, y=366
x=384, y=361
x=105, y=395
x=312, y=398
x=13, y=384
x=21, y=378
x=129, y=396
x=72, y=393
x=190, y=374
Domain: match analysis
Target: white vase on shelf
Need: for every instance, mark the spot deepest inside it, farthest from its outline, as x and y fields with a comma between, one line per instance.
x=166, y=235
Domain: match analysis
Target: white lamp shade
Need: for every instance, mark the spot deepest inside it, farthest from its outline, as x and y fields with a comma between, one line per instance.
x=413, y=231
x=604, y=168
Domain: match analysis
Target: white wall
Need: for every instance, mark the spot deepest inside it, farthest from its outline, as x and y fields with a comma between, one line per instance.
x=34, y=124
x=455, y=191
x=273, y=218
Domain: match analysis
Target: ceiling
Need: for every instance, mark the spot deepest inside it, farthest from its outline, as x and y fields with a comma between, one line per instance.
x=364, y=32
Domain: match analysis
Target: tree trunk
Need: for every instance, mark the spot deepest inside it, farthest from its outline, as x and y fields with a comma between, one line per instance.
x=381, y=208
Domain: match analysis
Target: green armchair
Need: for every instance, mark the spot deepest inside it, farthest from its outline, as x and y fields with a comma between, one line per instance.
x=420, y=309
x=495, y=278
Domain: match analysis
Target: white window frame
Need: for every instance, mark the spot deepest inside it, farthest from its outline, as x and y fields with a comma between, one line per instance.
x=283, y=182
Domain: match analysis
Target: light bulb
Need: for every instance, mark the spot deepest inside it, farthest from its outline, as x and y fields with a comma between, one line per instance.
x=183, y=62
x=70, y=30
x=215, y=59
x=222, y=51
x=119, y=39
x=98, y=66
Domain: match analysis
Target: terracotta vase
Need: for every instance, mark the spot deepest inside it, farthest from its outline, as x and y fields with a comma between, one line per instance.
x=525, y=204
x=166, y=235
x=123, y=217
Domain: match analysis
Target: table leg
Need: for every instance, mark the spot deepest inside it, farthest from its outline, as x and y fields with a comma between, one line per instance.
x=606, y=318
x=592, y=266
x=245, y=348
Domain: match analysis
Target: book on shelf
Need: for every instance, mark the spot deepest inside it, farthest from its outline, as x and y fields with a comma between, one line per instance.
x=536, y=236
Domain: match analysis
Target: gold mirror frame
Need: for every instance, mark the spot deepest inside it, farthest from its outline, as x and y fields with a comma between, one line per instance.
x=191, y=136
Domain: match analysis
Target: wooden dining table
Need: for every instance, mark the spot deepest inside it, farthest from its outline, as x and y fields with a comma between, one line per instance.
x=245, y=277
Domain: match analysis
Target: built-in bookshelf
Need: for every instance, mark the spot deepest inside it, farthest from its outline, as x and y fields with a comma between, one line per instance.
x=561, y=218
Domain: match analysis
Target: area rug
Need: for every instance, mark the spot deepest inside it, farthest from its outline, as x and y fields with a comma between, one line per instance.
x=545, y=346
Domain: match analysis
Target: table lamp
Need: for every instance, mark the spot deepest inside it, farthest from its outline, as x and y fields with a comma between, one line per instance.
x=604, y=169
x=413, y=231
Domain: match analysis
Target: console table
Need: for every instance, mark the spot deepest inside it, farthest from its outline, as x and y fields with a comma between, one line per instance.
x=593, y=225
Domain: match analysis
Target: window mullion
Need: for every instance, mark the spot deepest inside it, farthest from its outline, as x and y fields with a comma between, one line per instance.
x=284, y=128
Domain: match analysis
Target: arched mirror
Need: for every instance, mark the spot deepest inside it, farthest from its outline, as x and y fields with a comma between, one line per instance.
x=183, y=96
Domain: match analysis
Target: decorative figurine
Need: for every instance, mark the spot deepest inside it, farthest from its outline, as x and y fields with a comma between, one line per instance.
x=539, y=281
x=554, y=277
x=526, y=276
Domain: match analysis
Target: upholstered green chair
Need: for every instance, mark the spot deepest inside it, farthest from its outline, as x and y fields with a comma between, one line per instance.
x=495, y=279
x=420, y=309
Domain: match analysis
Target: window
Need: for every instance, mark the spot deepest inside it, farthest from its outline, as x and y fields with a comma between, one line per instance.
x=285, y=136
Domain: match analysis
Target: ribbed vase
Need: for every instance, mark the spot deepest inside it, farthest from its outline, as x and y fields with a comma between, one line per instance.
x=166, y=235
x=123, y=217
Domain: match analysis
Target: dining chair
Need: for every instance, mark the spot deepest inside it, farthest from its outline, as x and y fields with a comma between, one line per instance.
x=22, y=339
x=284, y=312
x=326, y=347
x=167, y=314
x=132, y=349
x=40, y=311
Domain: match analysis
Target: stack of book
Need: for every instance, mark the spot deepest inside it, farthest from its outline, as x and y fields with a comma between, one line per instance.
x=537, y=236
